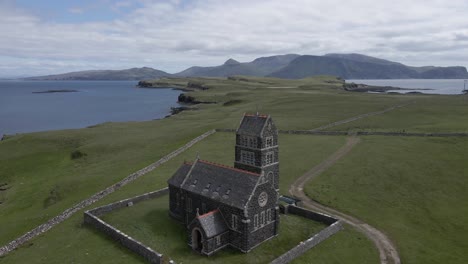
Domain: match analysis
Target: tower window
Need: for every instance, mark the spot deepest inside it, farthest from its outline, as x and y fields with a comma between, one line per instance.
x=244, y=141
x=252, y=142
x=234, y=222
x=269, y=158
x=247, y=157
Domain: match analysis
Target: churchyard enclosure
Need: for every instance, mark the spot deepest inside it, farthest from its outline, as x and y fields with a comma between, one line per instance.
x=38, y=168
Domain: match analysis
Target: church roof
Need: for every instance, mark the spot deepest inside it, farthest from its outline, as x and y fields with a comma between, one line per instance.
x=213, y=223
x=225, y=184
x=252, y=124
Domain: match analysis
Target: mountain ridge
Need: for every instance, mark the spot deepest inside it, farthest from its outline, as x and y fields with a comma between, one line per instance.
x=98, y=75
x=288, y=66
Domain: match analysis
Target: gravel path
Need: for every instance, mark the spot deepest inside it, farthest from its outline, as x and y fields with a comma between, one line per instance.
x=387, y=250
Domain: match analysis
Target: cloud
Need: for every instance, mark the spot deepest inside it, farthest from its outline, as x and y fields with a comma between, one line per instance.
x=76, y=10
x=173, y=35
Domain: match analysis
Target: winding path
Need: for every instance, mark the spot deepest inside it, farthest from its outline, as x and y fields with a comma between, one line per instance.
x=387, y=250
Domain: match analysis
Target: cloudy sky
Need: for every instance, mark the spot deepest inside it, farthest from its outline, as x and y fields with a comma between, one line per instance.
x=56, y=36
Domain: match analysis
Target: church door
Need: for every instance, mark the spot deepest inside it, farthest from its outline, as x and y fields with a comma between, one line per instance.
x=197, y=240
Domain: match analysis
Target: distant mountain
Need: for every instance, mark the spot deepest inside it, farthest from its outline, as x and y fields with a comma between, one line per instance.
x=289, y=66
x=259, y=67
x=118, y=75
x=357, y=66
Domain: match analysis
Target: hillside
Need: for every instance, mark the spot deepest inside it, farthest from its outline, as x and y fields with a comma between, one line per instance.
x=357, y=66
x=118, y=75
x=258, y=67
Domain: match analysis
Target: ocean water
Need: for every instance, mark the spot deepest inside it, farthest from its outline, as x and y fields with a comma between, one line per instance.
x=22, y=110
x=437, y=86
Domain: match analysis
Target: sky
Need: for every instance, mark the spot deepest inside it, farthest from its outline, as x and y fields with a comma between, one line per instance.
x=57, y=36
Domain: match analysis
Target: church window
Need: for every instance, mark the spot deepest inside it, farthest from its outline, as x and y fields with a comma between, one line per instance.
x=269, y=158
x=268, y=142
x=177, y=200
x=270, y=176
x=247, y=157
x=189, y=204
x=218, y=240
x=255, y=221
x=252, y=142
x=269, y=215
x=234, y=221
x=244, y=141
x=262, y=218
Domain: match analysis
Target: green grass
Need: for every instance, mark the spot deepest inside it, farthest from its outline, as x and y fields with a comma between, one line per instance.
x=346, y=246
x=45, y=180
x=412, y=188
x=428, y=114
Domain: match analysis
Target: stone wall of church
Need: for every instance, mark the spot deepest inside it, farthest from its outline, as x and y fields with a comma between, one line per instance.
x=91, y=217
x=308, y=244
x=334, y=226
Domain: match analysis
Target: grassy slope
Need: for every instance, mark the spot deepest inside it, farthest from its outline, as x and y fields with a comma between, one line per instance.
x=427, y=114
x=412, y=188
x=36, y=164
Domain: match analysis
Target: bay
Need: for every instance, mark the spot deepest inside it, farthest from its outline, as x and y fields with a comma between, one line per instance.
x=436, y=86
x=30, y=106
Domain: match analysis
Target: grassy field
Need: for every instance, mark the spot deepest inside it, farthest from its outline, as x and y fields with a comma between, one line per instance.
x=412, y=188
x=44, y=180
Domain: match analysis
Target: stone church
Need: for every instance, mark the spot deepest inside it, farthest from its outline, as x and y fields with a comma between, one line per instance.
x=231, y=206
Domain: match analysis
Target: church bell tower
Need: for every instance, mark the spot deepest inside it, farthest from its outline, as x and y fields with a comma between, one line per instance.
x=257, y=147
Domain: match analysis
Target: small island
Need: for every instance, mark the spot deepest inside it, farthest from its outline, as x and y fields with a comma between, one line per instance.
x=57, y=91
x=358, y=87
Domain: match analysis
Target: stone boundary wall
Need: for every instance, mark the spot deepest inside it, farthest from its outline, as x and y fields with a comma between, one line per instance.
x=91, y=218
x=96, y=197
x=127, y=202
x=361, y=133
x=334, y=226
x=318, y=217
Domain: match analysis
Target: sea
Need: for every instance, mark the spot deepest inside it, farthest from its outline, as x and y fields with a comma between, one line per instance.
x=26, y=106
x=434, y=86
x=24, y=110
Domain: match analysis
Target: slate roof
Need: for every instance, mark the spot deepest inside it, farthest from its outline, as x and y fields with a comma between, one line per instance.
x=228, y=185
x=252, y=124
x=213, y=223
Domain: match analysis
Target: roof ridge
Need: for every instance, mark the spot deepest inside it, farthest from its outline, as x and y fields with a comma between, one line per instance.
x=207, y=214
x=257, y=115
x=229, y=167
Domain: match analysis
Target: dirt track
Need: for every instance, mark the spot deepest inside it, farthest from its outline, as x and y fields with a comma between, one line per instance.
x=387, y=251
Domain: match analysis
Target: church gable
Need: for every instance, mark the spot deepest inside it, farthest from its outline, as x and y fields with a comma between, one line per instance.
x=212, y=223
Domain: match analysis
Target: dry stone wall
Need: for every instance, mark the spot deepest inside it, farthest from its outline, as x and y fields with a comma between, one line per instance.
x=96, y=197
x=91, y=218
x=334, y=226
x=361, y=133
